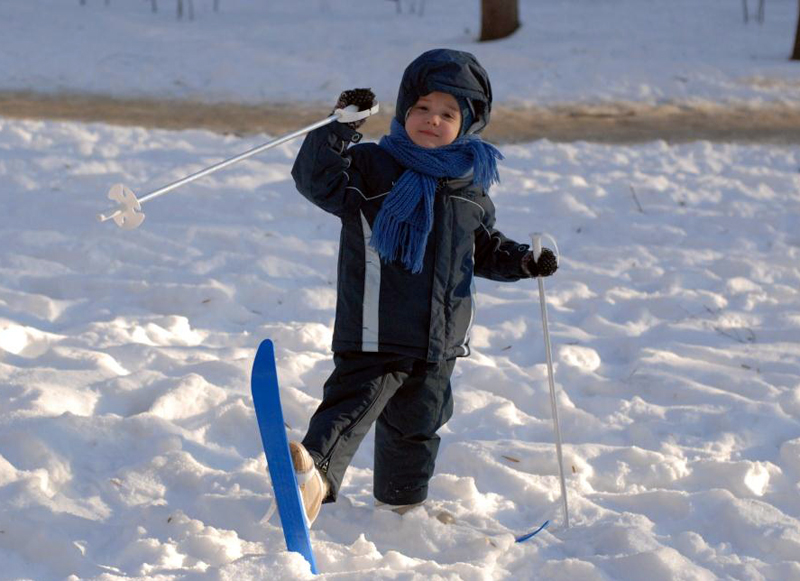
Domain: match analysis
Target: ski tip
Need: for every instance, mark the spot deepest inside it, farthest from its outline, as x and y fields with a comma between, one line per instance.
x=527, y=536
x=266, y=349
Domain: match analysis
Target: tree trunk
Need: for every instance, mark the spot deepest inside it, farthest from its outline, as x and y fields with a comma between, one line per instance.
x=796, y=51
x=499, y=18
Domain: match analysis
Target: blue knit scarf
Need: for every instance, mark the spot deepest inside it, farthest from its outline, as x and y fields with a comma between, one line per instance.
x=405, y=219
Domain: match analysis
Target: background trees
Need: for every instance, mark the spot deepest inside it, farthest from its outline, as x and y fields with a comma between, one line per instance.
x=499, y=18
x=796, y=51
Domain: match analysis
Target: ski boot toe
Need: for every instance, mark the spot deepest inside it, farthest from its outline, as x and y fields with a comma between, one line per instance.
x=313, y=485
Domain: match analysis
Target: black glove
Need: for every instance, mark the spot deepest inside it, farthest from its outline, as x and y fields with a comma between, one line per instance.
x=363, y=98
x=545, y=266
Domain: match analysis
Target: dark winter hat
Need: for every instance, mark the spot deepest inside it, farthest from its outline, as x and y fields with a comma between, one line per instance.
x=450, y=71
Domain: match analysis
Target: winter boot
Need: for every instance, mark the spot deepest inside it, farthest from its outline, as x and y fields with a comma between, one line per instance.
x=313, y=485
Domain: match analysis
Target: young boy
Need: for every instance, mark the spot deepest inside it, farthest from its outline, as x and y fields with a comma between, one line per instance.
x=417, y=226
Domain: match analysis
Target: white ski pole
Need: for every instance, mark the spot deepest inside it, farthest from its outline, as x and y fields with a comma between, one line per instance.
x=128, y=213
x=537, y=251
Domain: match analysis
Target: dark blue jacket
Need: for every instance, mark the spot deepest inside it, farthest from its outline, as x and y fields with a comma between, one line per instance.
x=382, y=306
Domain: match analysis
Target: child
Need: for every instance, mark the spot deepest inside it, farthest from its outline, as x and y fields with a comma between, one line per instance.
x=417, y=226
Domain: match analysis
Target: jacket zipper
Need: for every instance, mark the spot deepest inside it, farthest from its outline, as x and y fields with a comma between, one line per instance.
x=326, y=460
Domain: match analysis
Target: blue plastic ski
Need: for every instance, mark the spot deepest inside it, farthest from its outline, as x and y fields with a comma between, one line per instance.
x=527, y=536
x=267, y=402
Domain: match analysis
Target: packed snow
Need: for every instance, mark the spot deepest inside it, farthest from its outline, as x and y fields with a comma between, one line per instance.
x=128, y=443
x=654, y=52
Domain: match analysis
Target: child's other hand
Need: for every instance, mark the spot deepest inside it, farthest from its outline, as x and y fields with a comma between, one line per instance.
x=545, y=266
x=363, y=98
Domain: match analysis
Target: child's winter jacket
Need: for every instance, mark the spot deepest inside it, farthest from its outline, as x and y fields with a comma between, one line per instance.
x=382, y=306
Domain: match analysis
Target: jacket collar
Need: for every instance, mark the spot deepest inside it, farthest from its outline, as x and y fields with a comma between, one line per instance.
x=460, y=182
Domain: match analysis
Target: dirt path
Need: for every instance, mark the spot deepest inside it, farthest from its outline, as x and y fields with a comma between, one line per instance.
x=612, y=123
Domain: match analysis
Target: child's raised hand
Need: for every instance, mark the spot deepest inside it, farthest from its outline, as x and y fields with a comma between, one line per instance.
x=363, y=98
x=545, y=266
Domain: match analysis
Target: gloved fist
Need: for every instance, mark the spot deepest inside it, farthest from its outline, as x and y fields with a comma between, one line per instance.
x=545, y=266
x=362, y=98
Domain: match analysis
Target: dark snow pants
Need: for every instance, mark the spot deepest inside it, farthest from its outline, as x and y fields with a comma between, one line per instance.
x=409, y=399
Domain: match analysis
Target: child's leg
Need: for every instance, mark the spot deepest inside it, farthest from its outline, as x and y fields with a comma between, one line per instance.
x=406, y=443
x=353, y=398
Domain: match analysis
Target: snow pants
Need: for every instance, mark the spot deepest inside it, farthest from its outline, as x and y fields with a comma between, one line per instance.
x=408, y=399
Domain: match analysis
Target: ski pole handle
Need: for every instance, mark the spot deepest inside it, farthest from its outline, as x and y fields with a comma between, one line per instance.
x=536, y=242
x=351, y=113
x=537, y=246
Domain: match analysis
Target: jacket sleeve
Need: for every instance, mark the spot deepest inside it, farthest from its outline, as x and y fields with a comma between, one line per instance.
x=497, y=257
x=324, y=171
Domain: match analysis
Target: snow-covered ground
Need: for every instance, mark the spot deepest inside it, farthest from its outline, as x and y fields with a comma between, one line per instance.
x=577, y=51
x=128, y=443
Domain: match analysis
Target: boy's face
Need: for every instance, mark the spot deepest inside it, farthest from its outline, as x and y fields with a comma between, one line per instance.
x=434, y=120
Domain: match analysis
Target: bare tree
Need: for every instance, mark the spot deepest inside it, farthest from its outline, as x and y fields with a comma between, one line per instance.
x=191, y=9
x=759, y=11
x=796, y=51
x=499, y=18
x=413, y=6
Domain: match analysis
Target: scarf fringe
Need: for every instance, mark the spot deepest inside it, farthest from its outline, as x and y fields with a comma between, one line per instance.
x=395, y=239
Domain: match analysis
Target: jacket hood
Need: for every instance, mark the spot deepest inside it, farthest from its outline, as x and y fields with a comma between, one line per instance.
x=450, y=71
